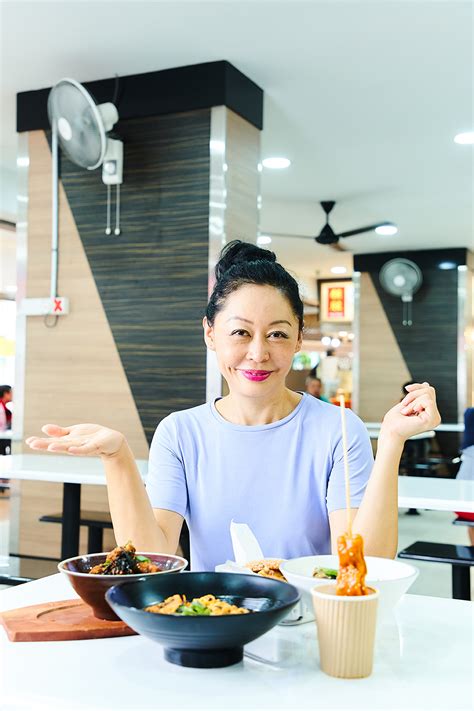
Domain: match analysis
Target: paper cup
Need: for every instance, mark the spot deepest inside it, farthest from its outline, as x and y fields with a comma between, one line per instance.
x=346, y=631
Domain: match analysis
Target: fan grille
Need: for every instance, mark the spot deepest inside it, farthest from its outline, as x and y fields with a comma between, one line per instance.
x=400, y=277
x=81, y=133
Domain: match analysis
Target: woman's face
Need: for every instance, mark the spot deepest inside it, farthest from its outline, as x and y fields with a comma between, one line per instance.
x=255, y=336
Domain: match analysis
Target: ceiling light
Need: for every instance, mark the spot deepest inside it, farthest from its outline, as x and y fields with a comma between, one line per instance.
x=465, y=139
x=276, y=163
x=264, y=239
x=447, y=265
x=23, y=162
x=326, y=341
x=338, y=270
x=387, y=229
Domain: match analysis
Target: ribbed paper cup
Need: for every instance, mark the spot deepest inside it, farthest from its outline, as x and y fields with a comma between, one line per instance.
x=346, y=631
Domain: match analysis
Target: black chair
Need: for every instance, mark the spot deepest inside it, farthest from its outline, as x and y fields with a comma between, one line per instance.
x=96, y=522
x=461, y=559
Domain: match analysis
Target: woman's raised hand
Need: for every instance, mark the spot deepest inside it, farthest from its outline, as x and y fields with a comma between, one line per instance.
x=79, y=440
x=416, y=413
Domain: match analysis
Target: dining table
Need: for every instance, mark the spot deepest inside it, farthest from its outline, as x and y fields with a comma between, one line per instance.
x=423, y=660
x=73, y=472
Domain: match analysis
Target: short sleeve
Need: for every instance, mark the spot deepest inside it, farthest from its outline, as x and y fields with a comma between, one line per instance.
x=166, y=480
x=361, y=461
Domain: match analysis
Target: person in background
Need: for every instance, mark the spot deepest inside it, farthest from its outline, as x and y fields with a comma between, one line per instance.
x=314, y=387
x=6, y=396
x=466, y=470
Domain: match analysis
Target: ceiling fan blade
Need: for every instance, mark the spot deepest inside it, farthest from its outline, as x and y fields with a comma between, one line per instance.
x=360, y=230
x=338, y=247
x=286, y=234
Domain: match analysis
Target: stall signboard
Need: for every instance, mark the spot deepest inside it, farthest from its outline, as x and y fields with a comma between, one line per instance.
x=337, y=301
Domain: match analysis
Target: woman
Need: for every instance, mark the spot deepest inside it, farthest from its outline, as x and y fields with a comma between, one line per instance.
x=262, y=455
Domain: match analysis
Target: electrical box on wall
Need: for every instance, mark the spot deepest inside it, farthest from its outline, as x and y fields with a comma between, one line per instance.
x=50, y=306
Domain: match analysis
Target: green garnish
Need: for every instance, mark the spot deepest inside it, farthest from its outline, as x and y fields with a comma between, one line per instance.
x=330, y=572
x=195, y=609
x=143, y=559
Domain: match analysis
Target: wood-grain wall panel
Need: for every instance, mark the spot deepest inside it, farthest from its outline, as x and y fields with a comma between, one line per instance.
x=73, y=371
x=152, y=279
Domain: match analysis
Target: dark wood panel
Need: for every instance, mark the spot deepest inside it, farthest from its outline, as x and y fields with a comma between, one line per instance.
x=153, y=278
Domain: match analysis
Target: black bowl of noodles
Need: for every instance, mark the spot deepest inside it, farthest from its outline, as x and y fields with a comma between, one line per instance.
x=203, y=640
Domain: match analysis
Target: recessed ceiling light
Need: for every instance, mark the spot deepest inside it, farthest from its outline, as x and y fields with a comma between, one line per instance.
x=338, y=270
x=387, y=229
x=276, y=163
x=465, y=139
x=447, y=265
x=264, y=239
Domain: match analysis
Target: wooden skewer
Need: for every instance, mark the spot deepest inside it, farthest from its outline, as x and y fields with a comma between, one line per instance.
x=346, y=464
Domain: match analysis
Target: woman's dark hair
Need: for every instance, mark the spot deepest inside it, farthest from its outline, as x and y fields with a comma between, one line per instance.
x=5, y=389
x=244, y=263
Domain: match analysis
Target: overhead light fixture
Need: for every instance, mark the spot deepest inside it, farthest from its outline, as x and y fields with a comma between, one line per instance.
x=23, y=162
x=276, y=163
x=465, y=139
x=387, y=229
x=447, y=265
x=338, y=270
x=264, y=239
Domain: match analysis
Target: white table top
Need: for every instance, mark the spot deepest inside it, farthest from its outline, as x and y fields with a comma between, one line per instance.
x=444, y=427
x=58, y=468
x=374, y=433
x=423, y=662
x=413, y=492
x=416, y=492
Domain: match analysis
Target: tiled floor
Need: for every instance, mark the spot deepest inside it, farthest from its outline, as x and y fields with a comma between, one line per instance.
x=434, y=579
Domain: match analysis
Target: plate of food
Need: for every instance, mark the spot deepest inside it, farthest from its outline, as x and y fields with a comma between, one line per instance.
x=93, y=574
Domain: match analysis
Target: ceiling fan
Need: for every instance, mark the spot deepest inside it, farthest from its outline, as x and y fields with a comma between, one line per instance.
x=327, y=234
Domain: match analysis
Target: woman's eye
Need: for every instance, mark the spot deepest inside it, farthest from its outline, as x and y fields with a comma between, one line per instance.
x=239, y=332
x=278, y=334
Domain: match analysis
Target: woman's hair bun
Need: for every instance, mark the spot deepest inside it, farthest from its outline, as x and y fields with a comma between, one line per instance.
x=237, y=252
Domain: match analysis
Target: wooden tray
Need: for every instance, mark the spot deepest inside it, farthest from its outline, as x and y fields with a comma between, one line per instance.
x=60, y=620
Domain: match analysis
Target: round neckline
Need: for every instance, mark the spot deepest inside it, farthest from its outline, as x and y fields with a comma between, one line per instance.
x=257, y=428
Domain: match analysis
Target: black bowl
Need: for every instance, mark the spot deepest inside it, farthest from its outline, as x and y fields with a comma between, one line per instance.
x=204, y=641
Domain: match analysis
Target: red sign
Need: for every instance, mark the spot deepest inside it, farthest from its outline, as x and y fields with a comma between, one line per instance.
x=336, y=302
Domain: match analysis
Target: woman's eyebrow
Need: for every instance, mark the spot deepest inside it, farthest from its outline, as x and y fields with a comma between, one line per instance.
x=273, y=323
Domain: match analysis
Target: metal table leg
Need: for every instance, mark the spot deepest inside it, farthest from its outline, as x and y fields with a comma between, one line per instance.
x=71, y=517
x=461, y=582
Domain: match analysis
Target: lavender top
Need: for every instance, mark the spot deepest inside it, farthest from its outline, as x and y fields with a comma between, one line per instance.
x=282, y=479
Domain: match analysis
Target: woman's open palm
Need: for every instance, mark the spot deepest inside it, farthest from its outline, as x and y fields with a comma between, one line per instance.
x=80, y=440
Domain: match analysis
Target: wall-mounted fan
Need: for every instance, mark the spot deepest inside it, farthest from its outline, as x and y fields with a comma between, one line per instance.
x=402, y=277
x=82, y=128
x=327, y=234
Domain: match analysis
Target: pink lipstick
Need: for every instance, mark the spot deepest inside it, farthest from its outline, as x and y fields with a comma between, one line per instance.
x=256, y=376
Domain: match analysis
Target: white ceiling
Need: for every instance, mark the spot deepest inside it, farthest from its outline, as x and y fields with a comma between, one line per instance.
x=364, y=98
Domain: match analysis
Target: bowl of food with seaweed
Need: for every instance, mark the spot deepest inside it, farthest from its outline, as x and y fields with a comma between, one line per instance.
x=92, y=575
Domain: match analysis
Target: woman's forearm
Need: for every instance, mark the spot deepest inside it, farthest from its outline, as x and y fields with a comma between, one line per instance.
x=377, y=517
x=130, y=508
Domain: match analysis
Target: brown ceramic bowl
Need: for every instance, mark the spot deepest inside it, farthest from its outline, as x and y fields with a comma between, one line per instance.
x=92, y=588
